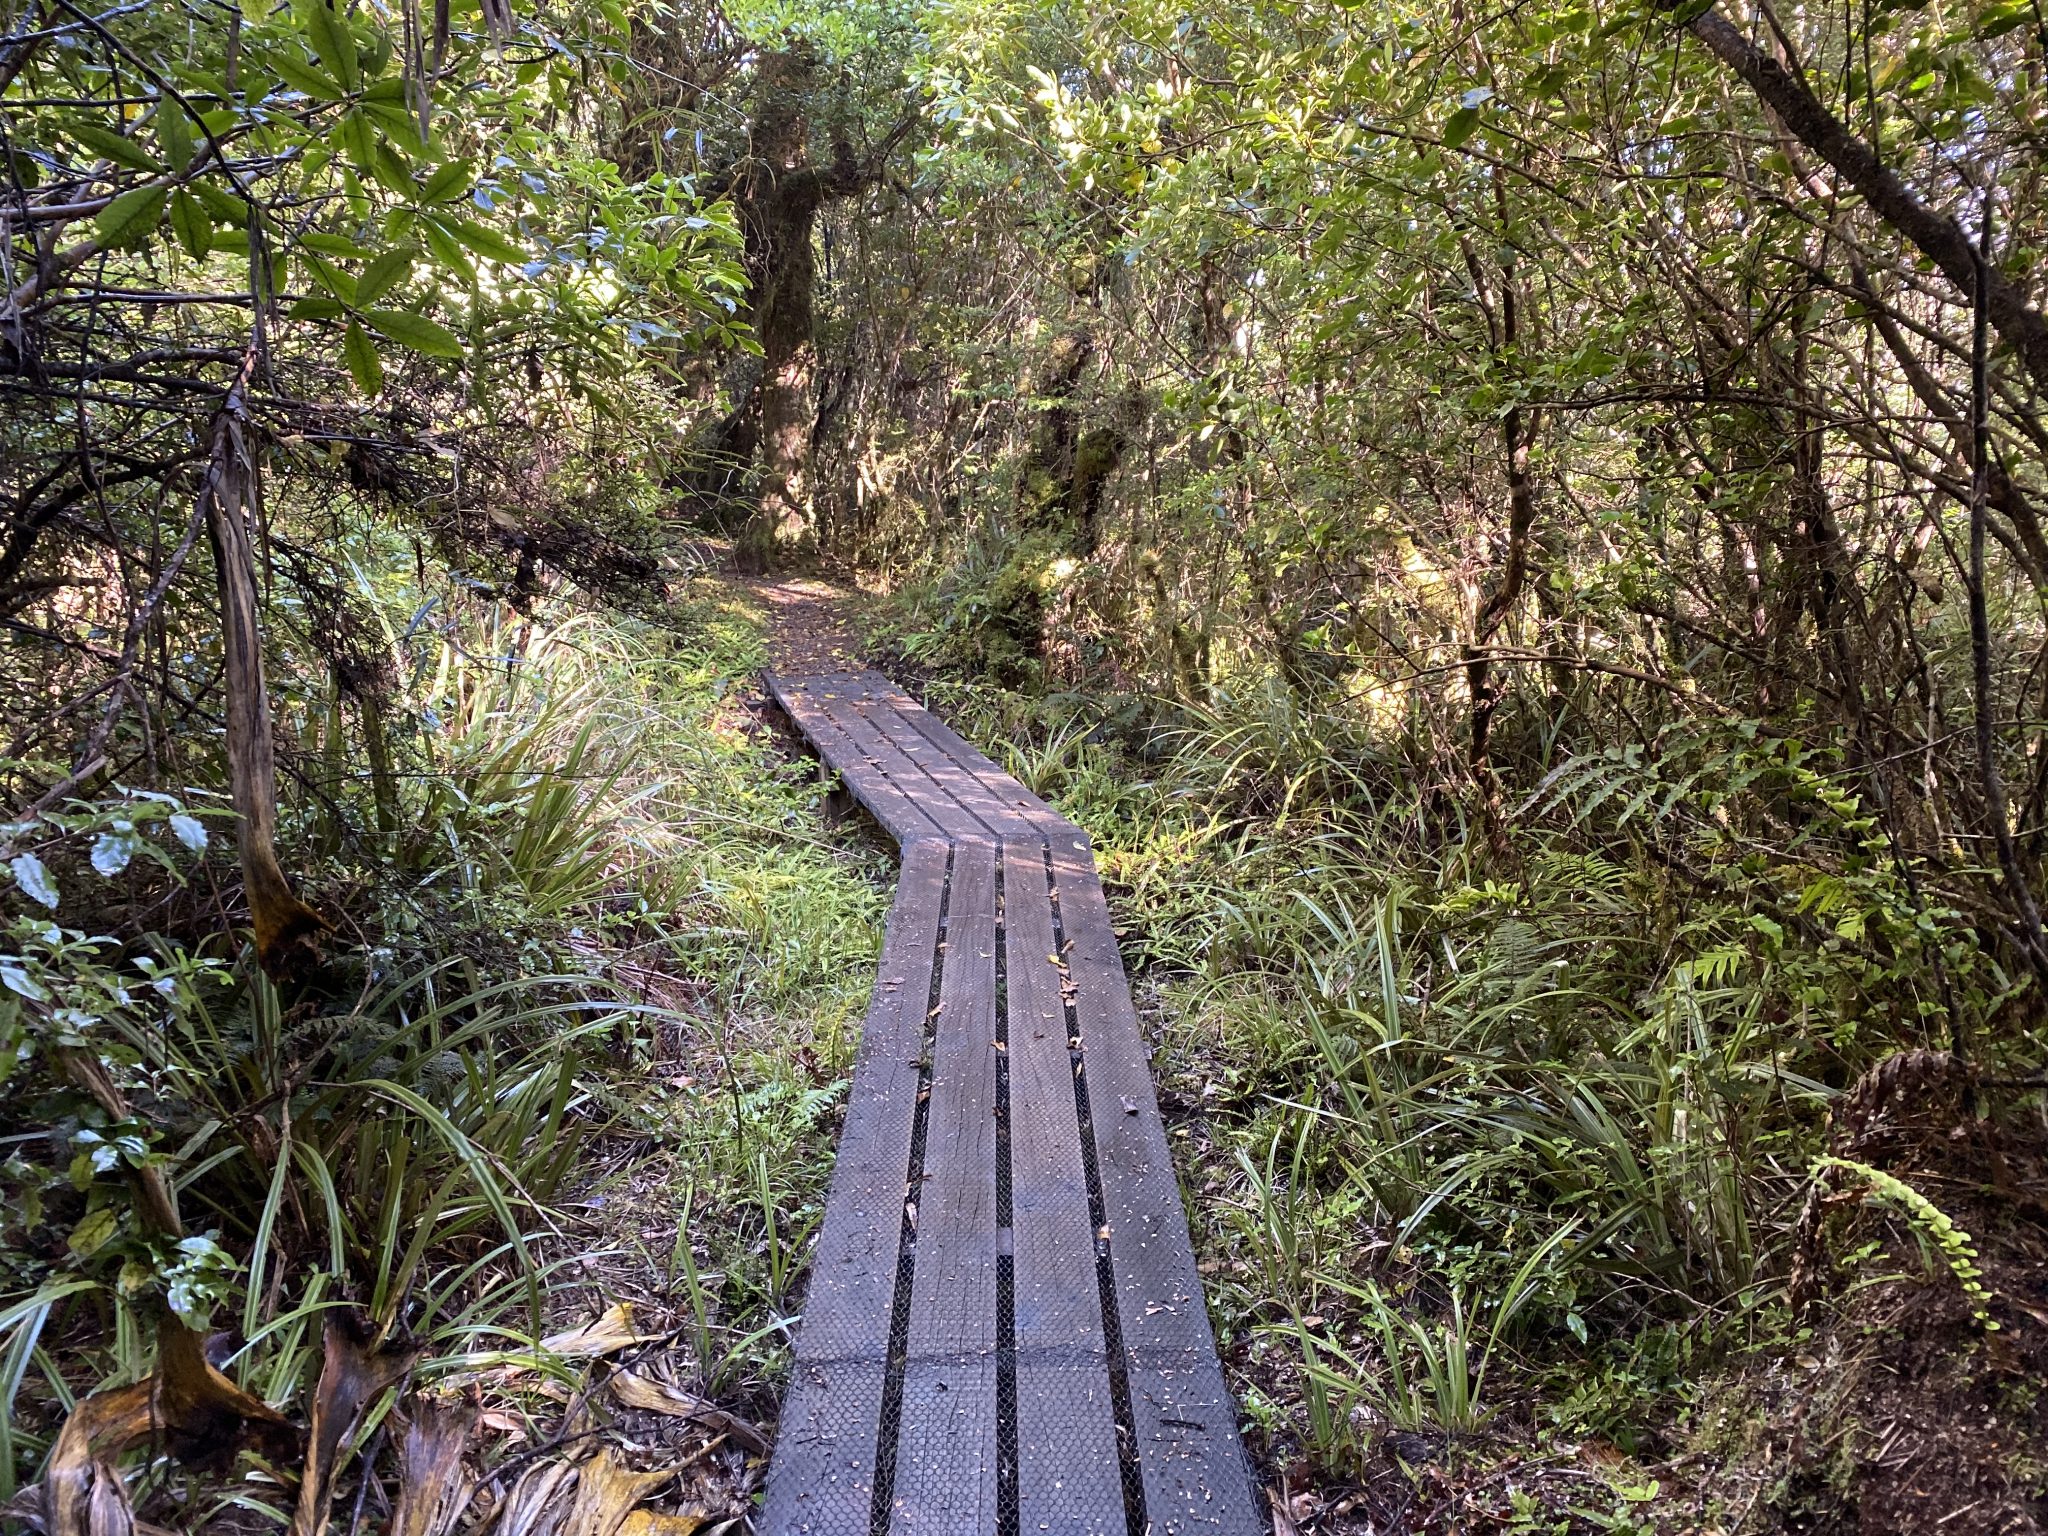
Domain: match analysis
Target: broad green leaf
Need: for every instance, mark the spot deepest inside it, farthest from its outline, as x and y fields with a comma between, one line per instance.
x=191, y=223
x=131, y=215
x=225, y=206
x=417, y=332
x=109, y=145
x=313, y=307
x=112, y=852
x=1461, y=126
x=332, y=42
x=329, y=276
x=92, y=1234
x=451, y=181
x=381, y=275
x=447, y=250
x=34, y=879
x=364, y=366
x=303, y=77
x=174, y=133
x=358, y=140
x=338, y=246
x=392, y=171
x=485, y=241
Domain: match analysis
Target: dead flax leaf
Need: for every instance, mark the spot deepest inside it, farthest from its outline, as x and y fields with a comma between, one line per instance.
x=606, y=1491
x=637, y=1391
x=187, y=1403
x=606, y=1335
x=352, y=1376
x=652, y=1522
x=538, y=1501
x=83, y=1494
x=433, y=1490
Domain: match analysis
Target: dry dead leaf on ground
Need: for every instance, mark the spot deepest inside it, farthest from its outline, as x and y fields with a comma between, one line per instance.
x=634, y=1390
x=606, y=1335
x=538, y=1501
x=652, y=1522
x=351, y=1378
x=433, y=1489
x=83, y=1494
x=187, y=1403
x=606, y=1491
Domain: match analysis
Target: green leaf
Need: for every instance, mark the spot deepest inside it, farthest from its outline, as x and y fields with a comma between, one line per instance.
x=427, y=337
x=382, y=274
x=392, y=171
x=485, y=241
x=447, y=250
x=1463, y=123
x=364, y=366
x=331, y=42
x=191, y=223
x=329, y=276
x=451, y=181
x=304, y=78
x=225, y=206
x=338, y=246
x=313, y=307
x=174, y=133
x=91, y=1234
x=34, y=879
x=358, y=140
x=131, y=215
x=109, y=145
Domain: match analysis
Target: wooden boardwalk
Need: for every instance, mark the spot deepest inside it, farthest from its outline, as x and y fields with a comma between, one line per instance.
x=1004, y=1333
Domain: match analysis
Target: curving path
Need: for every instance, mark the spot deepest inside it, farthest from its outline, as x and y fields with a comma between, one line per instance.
x=1004, y=1332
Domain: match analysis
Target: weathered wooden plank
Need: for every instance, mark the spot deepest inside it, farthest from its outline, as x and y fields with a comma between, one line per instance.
x=822, y=1477
x=1189, y=1455
x=892, y=714
x=1069, y=1476
x=1004, y=786
x=857, y=719
x=806, y=701
x=946, y=1448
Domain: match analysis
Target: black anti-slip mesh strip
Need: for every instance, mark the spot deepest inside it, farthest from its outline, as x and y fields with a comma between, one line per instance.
x=1007, y=1514
x=1135, y=1521
x=891, y=1422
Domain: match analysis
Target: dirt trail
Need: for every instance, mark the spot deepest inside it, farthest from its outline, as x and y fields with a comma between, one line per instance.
x=810, y=625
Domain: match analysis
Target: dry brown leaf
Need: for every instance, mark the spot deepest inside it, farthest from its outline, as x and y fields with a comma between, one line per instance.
x=606, y=1335
x=652, y=1522
x=606, y=1492
x=432, y=1488
x=189, y=1404
x=82, y=1493
x=351, y=1377
x=538, y=1501
x=637, y=1391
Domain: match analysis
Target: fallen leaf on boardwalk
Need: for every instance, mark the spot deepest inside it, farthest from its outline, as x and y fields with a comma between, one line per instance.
x=432, y=1488
x=649, y=1522
x=606, y=1336
x=606, y=1491
x=637, y=1391
x=351, y=1377
x=537, y=1500
x=1130, y=1105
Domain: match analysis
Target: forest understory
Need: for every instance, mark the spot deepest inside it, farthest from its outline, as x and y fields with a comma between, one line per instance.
x=1519, y=533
